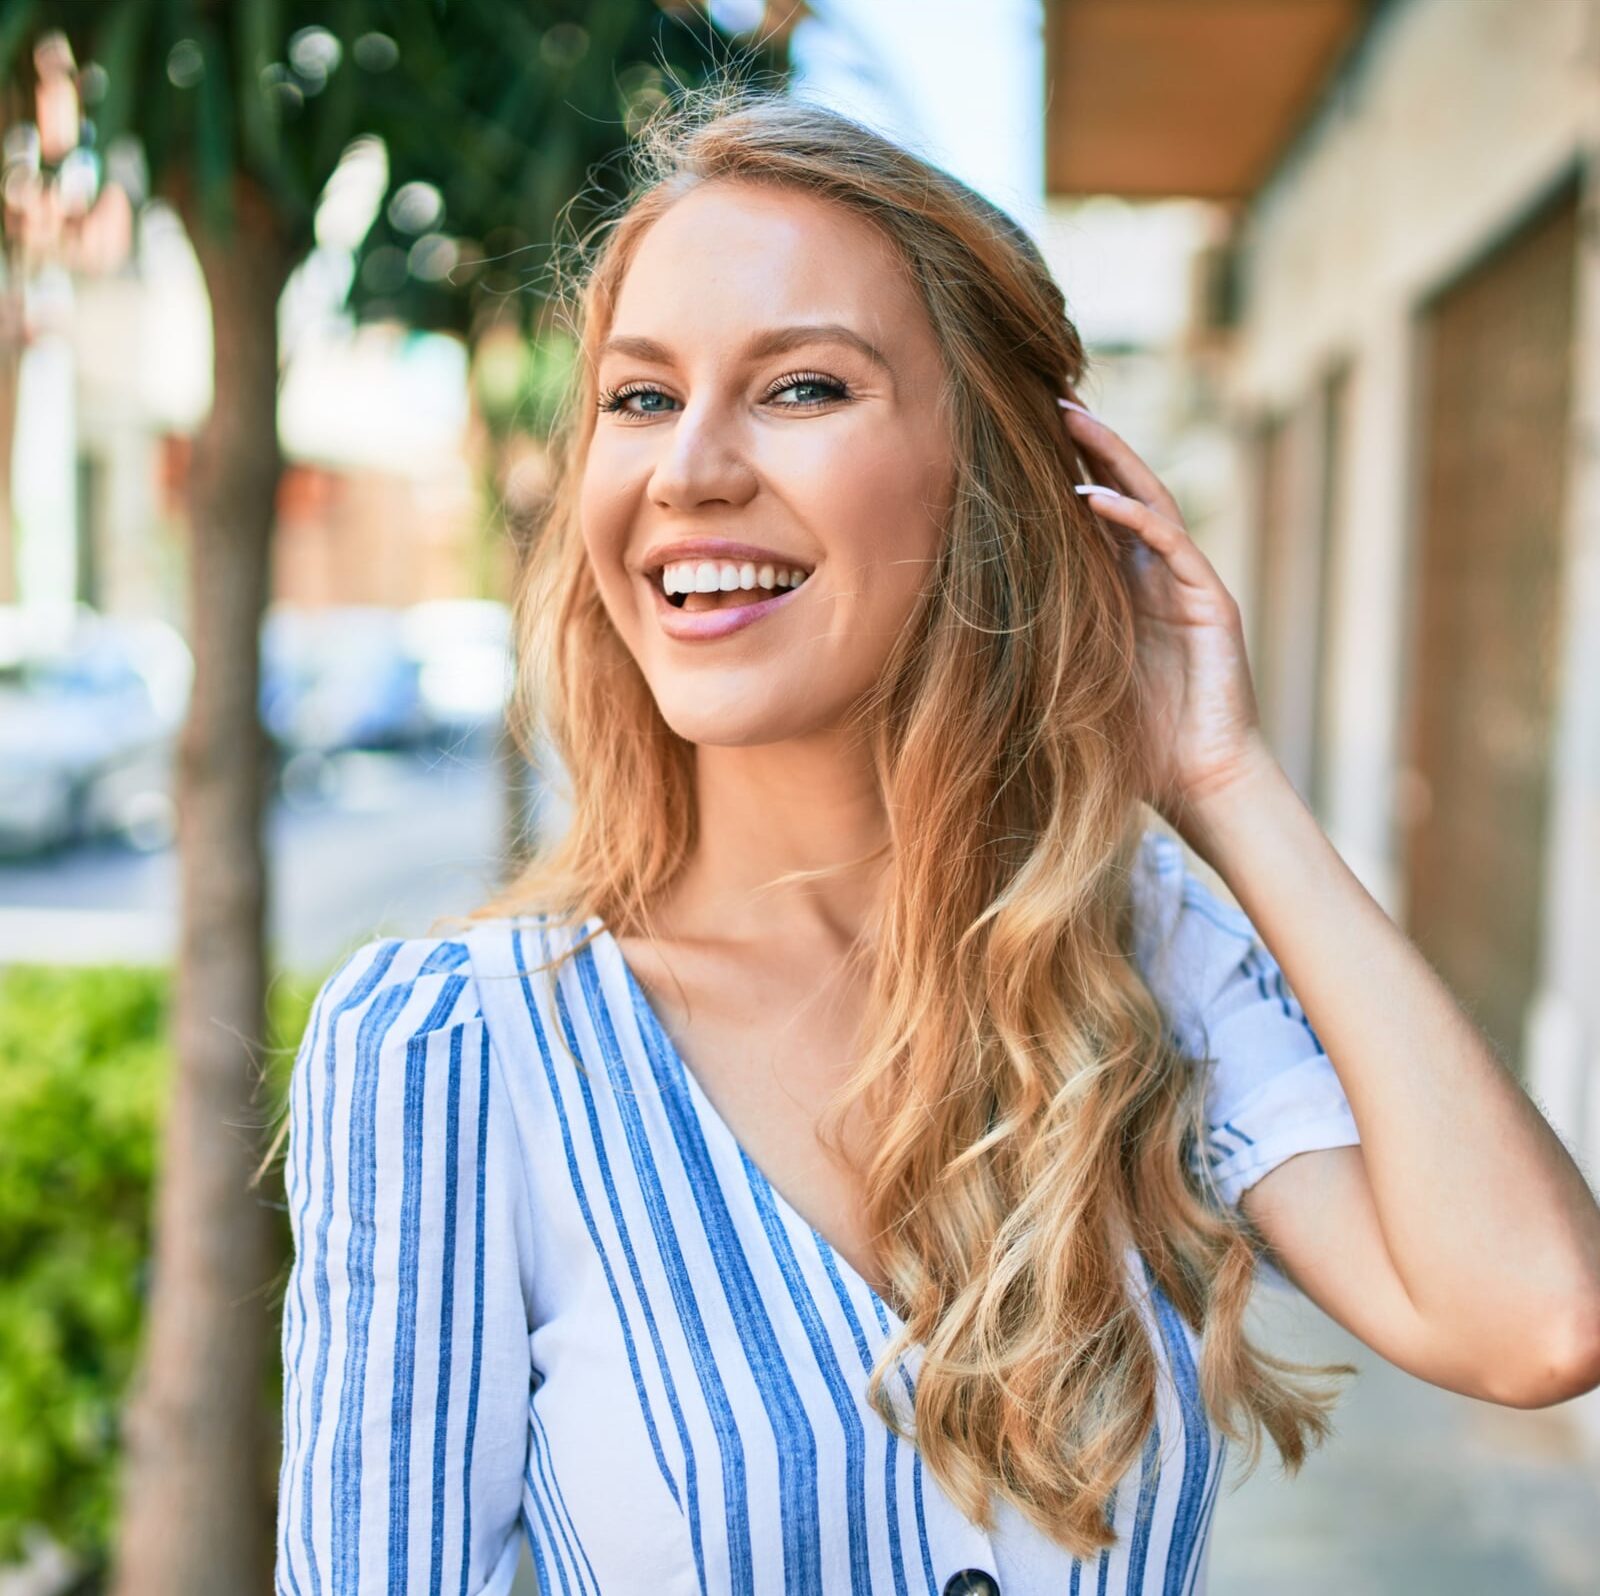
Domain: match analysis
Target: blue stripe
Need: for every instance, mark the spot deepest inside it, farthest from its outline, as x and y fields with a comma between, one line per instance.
x=797, y=1445
x=447, y=1312
x=1257, y=966
x=730, y=1444
x=1188, y=1522
x=549, y=1539
x=891, y=1440
x=844, y=1402
x=445, y=957
x=1249, y=1141
x=538, y=1556
x=547, y=1465
x=564, y=1539
x=1149, y=1480
x=690, y=1473
x=358, y=994
x=376, y=1023
x=916, y=1456
x=477, y=1312
x=294, y=1316
x=405, y=1330
x=1292, y=1006
x=1198, y=1552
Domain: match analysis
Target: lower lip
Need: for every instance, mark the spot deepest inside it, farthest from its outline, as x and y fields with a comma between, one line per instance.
x=687, y=627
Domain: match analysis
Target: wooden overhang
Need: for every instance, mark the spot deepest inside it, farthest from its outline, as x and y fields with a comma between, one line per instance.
x=1196, y=98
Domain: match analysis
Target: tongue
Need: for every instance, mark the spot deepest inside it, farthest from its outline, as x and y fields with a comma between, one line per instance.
x=732, y=599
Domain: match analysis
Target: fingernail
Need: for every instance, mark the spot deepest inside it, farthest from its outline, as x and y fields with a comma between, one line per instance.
x=1068, y=404
x=1095, y=487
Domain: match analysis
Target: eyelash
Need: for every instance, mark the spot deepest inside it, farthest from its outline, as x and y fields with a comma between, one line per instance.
x=613, y=399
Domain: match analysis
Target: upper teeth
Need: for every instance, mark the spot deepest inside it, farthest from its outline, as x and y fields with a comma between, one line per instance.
x=713, y=576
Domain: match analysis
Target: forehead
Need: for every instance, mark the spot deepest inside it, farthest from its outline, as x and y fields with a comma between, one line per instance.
x=731, y=256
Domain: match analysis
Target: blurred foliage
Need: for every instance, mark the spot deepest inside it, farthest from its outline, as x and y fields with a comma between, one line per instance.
x=495, y=116
x=521, y=384
x=83, y=1068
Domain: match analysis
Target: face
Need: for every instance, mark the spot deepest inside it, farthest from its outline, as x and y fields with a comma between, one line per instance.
x=770, y=406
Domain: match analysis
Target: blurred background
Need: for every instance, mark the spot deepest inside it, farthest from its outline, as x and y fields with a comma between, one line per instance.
x=277, y=366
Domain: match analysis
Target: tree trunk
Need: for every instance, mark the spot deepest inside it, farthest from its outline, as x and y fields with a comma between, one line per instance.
x=200, y=1449
x=11, y=343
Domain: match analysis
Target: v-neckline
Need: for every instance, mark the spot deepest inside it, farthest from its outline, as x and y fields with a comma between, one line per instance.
x=711, y=1118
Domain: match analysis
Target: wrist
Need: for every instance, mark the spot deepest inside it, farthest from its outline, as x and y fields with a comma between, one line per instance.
x=1212, y=817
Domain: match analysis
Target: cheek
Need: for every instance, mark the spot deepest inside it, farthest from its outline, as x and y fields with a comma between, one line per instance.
x=886, y=506
x=605, y=519
x=604, y=507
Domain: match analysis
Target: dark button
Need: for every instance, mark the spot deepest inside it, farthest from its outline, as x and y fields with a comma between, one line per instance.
x=972, y=1582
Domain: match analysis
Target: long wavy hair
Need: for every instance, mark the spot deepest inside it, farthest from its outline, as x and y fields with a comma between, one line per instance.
x=1029, y=1115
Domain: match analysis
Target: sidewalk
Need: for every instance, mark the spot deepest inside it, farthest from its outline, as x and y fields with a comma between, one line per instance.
x=1420, y=1492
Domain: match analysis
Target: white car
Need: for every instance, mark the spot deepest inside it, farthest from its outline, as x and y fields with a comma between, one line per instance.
x=90, y=709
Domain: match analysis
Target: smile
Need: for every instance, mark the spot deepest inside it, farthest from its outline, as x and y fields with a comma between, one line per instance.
x=700, y=600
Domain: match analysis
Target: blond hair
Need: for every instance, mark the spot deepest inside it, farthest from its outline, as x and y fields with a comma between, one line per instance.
x=1030, y=1114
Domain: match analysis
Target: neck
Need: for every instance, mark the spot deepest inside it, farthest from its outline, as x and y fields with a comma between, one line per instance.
x=764, y=812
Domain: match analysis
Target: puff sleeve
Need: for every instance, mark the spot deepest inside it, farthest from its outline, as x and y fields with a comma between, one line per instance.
x=405, y=1339
x=1272, y=1091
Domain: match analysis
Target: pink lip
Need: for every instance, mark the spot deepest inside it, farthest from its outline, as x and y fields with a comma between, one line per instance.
x=710, y=624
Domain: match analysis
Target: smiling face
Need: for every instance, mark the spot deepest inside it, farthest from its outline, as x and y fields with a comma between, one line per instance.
x=770, y=397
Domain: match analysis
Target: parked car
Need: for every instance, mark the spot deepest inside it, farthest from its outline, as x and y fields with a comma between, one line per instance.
x=90, y=708
x=338, y=678
x=463, y=651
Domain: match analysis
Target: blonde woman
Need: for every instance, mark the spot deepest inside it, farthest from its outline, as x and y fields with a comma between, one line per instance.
x=841, y=1161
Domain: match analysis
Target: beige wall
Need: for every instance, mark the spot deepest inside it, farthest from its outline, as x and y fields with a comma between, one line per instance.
x=1459, y=116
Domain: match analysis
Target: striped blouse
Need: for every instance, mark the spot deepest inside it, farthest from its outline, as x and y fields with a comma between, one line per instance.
x=544, y=1299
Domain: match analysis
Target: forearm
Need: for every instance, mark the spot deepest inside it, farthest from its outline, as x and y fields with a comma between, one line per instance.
x=1490, y=1225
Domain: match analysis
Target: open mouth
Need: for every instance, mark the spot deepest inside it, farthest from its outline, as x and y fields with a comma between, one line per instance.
x=696, y=586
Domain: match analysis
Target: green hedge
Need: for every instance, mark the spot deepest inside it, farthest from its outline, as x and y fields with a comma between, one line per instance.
x=83, y=1071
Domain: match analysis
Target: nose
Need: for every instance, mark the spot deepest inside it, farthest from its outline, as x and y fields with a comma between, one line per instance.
x=701, y=462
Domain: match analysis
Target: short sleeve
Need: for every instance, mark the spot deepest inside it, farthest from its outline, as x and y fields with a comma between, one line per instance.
x=1272, y=1091
x=405, y=1337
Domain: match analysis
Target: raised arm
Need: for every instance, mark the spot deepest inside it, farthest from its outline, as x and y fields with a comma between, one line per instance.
x=1459, y=1240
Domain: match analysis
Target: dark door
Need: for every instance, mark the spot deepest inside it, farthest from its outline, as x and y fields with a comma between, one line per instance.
x=1494, y=409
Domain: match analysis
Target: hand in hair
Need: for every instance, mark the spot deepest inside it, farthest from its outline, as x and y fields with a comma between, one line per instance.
x=1202, y=725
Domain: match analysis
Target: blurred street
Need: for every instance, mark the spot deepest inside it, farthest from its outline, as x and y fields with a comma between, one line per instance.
x=1419, y=1493
x=397, y=839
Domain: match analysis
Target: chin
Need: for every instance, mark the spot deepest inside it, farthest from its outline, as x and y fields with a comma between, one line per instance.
x=738, y=726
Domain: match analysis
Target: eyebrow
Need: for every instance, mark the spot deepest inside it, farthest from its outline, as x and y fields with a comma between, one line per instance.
x=774, y=341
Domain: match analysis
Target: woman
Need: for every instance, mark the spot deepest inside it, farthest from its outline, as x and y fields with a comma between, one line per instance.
x=841, y=1163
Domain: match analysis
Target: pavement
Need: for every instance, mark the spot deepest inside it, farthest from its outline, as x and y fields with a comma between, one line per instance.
x=1420, y=1492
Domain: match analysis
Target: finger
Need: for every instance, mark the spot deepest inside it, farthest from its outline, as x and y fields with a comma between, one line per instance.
x=1169, y=539
x=1094, y=435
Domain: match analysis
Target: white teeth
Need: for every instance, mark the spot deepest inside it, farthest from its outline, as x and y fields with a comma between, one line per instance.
x=723, y=576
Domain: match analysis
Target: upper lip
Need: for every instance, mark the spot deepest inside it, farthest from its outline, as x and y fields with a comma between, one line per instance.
x=719, y=549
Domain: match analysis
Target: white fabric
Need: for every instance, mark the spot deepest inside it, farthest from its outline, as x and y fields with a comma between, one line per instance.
x=553, y=1292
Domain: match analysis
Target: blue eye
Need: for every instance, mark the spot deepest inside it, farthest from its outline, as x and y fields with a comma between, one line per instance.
x=616, y=400
x=818, y=390
x=825, y=389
